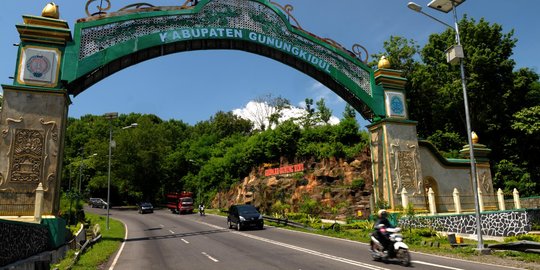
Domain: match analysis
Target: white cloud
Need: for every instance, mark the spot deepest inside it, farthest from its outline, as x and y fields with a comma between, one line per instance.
x=257, y=112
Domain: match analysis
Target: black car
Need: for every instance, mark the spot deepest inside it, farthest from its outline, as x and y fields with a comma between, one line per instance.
x=244, y=216
x=146, y=207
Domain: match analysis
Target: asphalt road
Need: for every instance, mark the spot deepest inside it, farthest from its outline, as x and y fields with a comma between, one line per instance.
x=163, y=240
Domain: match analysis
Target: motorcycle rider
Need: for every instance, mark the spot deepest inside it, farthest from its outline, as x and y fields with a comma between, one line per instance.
x=380, y=229
x=201, y=209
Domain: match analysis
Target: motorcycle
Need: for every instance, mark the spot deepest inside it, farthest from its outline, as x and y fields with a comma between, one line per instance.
x=400, y=250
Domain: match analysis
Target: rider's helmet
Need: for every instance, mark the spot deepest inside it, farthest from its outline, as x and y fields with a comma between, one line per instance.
x=382, y=213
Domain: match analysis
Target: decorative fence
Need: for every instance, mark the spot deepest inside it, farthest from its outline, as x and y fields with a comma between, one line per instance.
x=458, y=204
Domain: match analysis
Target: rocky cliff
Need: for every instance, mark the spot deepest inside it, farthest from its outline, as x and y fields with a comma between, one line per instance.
x=339, y=188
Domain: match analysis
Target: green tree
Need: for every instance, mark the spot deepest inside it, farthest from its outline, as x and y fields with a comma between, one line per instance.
x=349, y=112
x=308, y=120
x=509, y=176
x=324, y=113
x=496, y=92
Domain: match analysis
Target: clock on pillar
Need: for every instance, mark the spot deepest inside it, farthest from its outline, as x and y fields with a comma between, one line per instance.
x=395, y=104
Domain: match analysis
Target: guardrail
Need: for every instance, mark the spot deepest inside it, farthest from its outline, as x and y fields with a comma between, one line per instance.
x=96, y=236
x=287, y=222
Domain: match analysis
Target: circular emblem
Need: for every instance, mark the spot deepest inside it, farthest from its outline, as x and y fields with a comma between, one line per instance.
x=396, y=105
x=38, y=65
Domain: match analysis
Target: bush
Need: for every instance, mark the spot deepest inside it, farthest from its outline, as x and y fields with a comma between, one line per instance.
x=297, y=216
x=310, y=206
x=71, y=208
x=358, y=183
x=280, y=209
x=364, y=225
x=424, y=232
x=523, y=237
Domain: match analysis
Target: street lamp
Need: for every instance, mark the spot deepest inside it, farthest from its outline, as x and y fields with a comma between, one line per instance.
x=454, y=55
x=110, y=116
x=133, y=125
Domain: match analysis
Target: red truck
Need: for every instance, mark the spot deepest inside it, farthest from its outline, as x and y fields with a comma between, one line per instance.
x=181, y=202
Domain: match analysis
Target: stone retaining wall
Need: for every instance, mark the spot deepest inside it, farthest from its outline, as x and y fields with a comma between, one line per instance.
x=20, y=240
x=497, y=223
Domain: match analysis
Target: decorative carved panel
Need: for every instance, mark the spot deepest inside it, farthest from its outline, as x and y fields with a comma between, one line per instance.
x=407, y=169
x=27, y=157
x=406, y=164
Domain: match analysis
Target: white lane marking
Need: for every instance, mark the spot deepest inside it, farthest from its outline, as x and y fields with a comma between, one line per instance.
x=171, y=231
x=436, y=265
x=210, y=257
x=305, y=250
x=120, y=250
x=161, y=225
x=184, y=240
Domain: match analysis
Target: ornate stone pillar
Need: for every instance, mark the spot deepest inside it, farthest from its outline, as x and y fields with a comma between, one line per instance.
x=394, y=145
x=33, y=117
x=483, y=174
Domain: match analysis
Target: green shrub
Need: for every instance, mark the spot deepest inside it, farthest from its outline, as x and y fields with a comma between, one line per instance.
x=424, y=232
x=358, y=183
x=280, y=209
x=310, y=206
x=523, y=237
x=296, y=216
x=71, y=208
x=364, y=225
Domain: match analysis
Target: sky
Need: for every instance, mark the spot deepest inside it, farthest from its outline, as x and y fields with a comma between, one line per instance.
x=193, y=86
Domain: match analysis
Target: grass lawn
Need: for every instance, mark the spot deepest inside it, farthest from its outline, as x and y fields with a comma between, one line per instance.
x=101, y=251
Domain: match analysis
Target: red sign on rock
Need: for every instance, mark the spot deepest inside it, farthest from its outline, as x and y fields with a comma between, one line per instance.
x=285, y=169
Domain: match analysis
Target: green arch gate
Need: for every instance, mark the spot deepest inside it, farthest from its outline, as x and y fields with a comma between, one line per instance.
x=53, y=64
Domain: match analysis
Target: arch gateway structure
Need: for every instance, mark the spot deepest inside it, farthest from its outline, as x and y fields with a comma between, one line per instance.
x=53, y=64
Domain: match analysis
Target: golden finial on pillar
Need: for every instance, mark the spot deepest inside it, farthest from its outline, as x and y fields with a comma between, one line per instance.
x=51, y=11
x=383, y=63
x=474, y=137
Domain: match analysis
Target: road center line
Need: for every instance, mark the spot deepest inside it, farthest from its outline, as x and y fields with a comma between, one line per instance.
x=171, y=232
x=210, y=257
x=184, y=240
x=436, y=265
x=305, y=250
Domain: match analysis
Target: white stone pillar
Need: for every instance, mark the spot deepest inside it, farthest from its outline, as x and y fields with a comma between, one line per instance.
x=500, y=199
x=404, y=198
x=38, y=207
x=431, y=201
x=457, y=201
x=517, y=203
x=480, y=200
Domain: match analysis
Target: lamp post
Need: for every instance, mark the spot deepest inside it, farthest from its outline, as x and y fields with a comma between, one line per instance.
x=453, y=54
x=110, y=116
x=133, y=125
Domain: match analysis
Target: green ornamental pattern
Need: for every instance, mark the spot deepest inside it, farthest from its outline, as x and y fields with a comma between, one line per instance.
x=257, y=21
